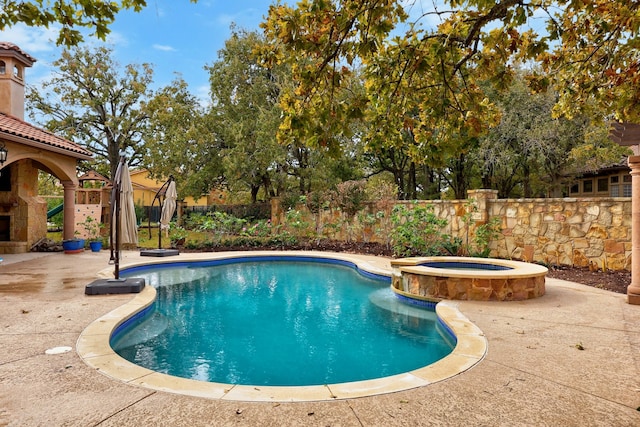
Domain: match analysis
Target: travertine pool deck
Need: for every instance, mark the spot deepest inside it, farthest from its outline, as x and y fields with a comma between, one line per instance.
x=533, y=372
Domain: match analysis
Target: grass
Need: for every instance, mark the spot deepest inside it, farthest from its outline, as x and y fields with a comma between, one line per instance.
x=144, y=241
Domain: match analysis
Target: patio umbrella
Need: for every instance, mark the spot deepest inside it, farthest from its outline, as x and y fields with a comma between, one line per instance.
x=128, y=223
x=168, y=206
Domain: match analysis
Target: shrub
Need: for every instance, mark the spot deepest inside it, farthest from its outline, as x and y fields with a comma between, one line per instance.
x=416, y=231
x=350, y=196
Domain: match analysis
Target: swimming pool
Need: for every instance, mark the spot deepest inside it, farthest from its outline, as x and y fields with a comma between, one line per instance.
x=278, y=322
x=93, y=346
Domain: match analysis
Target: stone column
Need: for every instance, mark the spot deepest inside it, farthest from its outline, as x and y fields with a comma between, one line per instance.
x=480, y=198
x=633, y=290
x=69, y=210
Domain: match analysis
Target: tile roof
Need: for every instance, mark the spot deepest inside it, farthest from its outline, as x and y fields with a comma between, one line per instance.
x=18, y=51
x=93, y=176
x=13, y=126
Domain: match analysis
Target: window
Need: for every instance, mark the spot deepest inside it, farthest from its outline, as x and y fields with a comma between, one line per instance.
x=615, y=179
x=574, y=189
x=603, y=185
x=626, y=190
x=615, y=191
x=587, y=186
x=3, y=67
x=626, y=178
x=17, y=72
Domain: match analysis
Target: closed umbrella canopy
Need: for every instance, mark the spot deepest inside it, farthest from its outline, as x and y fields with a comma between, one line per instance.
x=128, y=223
x=169, y=206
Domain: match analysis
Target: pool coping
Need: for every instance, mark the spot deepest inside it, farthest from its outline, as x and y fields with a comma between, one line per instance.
x=517, y=269
x=93, y=347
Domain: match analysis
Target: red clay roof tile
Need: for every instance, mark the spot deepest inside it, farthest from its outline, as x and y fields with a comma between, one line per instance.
x=13, y=126
x=17, y=50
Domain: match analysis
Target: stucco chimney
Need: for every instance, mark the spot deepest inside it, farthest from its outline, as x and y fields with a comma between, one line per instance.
x=13, y=62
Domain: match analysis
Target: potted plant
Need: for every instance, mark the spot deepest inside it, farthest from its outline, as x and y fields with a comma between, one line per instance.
x=73, y=246
x=92, y=228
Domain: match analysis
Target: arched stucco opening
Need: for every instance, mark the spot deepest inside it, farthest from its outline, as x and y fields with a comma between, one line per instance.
x=23, y=213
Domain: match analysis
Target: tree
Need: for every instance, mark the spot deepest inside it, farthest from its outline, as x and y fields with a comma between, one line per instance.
x=94, y=103
x=531, y=152
x=245, y=105
x=428, y=80
x=596, y=58
x=180, y=140
x=72, y=15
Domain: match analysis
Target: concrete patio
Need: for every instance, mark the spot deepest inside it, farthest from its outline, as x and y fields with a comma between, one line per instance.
x=571, y=357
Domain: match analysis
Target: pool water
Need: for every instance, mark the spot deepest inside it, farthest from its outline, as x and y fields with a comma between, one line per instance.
x=280, y=324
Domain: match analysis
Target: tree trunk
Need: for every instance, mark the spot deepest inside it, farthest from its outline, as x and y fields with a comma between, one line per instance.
x=412, y=184
x=254, y=193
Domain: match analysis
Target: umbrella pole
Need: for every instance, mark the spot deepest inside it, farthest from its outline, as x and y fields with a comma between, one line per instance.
x=117, y=252
x=161, y=196
x=118, y=189
x=157, y=197
x=159, y=235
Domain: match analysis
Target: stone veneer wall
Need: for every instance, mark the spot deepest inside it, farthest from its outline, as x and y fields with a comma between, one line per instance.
x=472, y=288
x=581, y=232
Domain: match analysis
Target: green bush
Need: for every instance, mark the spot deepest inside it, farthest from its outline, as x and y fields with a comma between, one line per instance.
x=482, y=236
x=220, y=224
x=416, y=231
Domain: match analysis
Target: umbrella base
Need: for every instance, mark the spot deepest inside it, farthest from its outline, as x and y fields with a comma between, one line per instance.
x=115, y=286
x=159, y=252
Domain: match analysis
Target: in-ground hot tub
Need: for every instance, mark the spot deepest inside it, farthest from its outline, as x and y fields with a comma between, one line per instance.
x=467, y=278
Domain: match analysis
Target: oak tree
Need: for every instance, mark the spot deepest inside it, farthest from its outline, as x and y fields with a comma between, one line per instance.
x=426, y=75
x=95, y=103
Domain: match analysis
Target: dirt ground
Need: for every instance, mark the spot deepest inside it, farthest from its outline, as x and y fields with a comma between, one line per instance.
x=614, y=281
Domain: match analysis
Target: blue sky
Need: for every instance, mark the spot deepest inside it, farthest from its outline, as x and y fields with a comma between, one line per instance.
x=176, y=36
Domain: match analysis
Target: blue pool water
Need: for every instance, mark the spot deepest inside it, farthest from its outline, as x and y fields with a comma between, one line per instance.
x=278, y=323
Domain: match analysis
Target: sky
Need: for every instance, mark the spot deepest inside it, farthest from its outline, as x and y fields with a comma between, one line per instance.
x=175, y=36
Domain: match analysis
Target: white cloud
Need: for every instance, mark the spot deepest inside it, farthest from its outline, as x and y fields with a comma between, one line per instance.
x=247, y=18
x=203, y=94
x=31, y=39
x=164, y=48
x=114, y=38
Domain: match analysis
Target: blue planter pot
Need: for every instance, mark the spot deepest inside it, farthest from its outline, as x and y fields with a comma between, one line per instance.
x=73, y=246
x=95, y=246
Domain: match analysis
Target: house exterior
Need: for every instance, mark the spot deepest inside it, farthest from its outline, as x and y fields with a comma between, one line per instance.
x=613, y=181
x=146, y=188
x=29, y=149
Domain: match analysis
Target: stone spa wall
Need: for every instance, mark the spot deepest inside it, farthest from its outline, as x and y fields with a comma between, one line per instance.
x=466, y=278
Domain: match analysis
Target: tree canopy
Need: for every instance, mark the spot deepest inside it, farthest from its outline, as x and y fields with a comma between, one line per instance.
x=426, y=76
x=245, y=106
x=94, y=103
x=180, y=140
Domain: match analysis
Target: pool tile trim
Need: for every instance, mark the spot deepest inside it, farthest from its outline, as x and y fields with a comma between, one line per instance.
x=94, y=349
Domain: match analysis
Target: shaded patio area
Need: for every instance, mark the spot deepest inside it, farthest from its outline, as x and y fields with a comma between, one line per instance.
x=570, y=357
